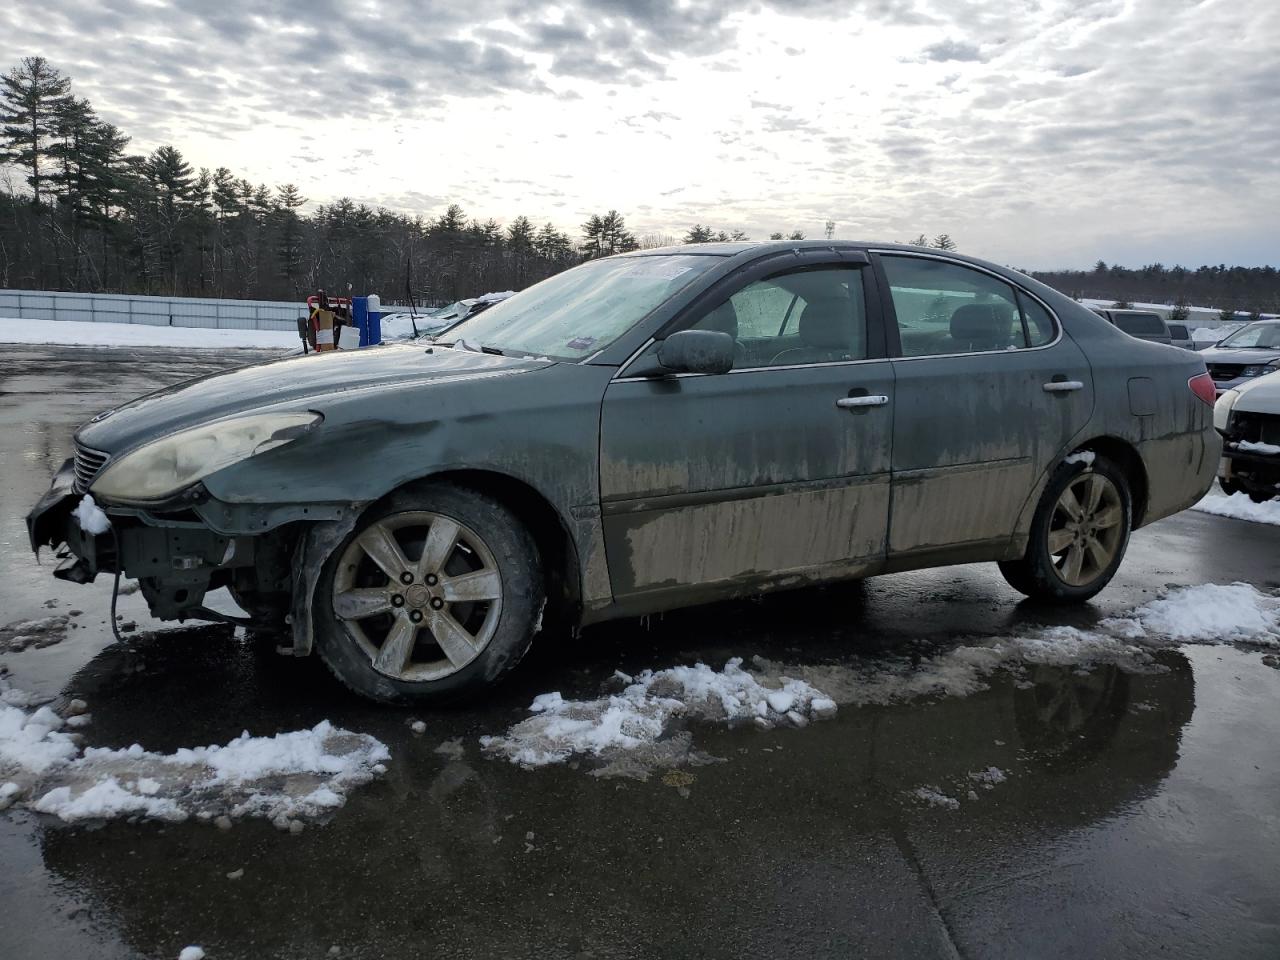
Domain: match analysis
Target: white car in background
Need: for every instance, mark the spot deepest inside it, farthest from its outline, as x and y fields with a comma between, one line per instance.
x=1248, y=417
x=406, y=326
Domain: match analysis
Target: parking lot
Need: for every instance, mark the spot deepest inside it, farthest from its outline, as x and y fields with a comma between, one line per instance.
x=1114, y=803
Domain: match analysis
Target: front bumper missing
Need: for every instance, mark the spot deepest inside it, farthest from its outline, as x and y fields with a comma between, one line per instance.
x=1251, y=472
x=175, y=565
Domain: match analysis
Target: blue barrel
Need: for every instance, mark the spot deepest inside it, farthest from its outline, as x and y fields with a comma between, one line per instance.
x=366, y=313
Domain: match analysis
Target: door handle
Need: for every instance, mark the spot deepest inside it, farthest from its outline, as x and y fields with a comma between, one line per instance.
x=868, y=401
x=1063, y=386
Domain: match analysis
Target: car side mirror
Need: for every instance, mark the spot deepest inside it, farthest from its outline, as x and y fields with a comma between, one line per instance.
x=690, y=351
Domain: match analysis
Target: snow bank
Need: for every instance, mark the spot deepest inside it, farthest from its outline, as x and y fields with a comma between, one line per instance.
x=90, y=517
x=83, y=333
x=639, y=720
x=1084, y=456
x=291, y=776
x=1239, y=507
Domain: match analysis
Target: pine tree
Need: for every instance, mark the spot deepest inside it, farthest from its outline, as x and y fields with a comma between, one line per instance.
x=289, y=232
x=776, y=235
x=593, y=236
x=796, y=235
x=614, y=235
x=943, y=241
x=173, y=188
x=698, y=234
x=1180, y=312
x=31, y=97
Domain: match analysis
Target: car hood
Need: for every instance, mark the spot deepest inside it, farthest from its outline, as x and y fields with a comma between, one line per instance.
x=1242, y=356
x=292, y=382
x=1260, y=396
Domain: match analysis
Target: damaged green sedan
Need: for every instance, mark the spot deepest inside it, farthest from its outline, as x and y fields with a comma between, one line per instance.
x=643, y=432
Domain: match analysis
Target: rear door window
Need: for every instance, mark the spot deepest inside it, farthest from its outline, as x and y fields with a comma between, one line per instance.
x=947, y=308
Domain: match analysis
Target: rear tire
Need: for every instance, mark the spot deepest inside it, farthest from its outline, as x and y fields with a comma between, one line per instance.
x=1079, y=534
x=459, y=615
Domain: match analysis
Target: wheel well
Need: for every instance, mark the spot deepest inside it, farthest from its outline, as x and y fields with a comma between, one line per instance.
x=556, y=548
x=1122, y=453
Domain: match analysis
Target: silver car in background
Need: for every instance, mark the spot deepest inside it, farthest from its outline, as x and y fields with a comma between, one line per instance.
x=1252, y=351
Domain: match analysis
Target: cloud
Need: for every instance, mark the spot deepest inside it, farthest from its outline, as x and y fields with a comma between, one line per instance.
x=946, y=50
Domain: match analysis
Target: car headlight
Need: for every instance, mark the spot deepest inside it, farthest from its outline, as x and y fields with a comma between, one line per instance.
x=161, y=468
x=1222, y=409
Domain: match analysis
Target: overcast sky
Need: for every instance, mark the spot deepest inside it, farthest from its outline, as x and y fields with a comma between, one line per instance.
x=1039, y=133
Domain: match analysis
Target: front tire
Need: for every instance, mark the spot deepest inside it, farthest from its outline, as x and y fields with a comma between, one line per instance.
x=434, y=596
x=1078, y=536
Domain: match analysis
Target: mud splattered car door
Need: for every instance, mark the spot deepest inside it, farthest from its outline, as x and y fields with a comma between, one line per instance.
x=990, y=392
x=774, y=473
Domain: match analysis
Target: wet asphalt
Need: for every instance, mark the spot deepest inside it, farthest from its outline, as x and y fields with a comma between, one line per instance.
x=1140, y=817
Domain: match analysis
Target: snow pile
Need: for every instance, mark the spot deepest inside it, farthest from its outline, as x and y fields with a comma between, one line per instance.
x=990, y=777
x=1239, y=507
x=45, y=632
x=90, y=517
x=1084, y=456
x=1209, y=612
x=33, y=743
x=638, y=721
x=936, y=798
x=85, y=333
x=303, y=774
x=639, y=715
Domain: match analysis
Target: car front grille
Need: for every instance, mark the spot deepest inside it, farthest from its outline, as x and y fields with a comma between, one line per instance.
x=1255, y=427
x=88, y=464
x=1223, y=372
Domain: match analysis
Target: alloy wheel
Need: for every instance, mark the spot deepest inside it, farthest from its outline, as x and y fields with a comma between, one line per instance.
x=420, y=593
x=1085, y=529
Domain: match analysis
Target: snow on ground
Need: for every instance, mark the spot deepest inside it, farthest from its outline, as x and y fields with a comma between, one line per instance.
x=640, y=728
x=639, y=715
x=1239, y=507
x=82, y=333
x=287, y=778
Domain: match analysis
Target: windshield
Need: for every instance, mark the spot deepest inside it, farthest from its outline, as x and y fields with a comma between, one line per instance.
x=580, y=311
x=1255, y=335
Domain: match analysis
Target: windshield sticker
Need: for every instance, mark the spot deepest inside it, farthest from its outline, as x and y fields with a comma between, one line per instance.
x=657, y=268
x=580, y=343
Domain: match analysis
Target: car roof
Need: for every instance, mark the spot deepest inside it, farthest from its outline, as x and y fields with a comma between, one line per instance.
x=750, y=249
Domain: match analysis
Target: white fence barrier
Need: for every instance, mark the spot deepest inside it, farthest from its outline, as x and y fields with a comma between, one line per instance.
x=154, y=311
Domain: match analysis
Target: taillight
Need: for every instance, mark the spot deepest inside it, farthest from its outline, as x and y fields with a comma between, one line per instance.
x=1202, y=386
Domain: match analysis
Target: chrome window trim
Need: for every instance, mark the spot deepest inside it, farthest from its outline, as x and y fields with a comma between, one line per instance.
x=1057, y=321
x=766, y=368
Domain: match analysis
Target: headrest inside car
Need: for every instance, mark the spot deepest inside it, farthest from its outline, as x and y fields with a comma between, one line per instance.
x=983, y=324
